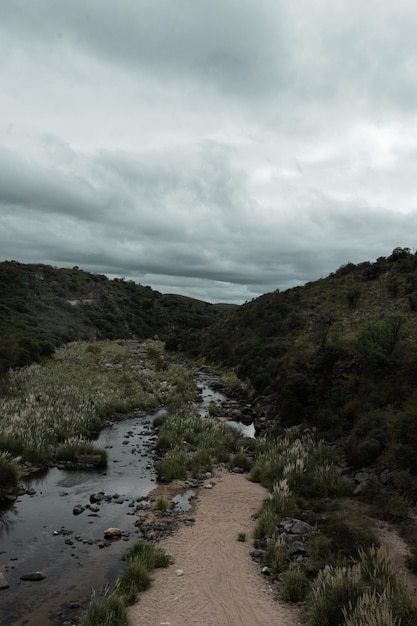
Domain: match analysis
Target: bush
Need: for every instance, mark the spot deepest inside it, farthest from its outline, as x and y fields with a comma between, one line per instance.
x=367, y=452
x=79, y=450
x=162, y=504
x=276, y=556
x=241, y=459
x=293, y=584
x=135, y=578
x=371, y=610
x=173, y=465
x=109, y=611
x=335, y=589
x=370, y=593
x=150, y=555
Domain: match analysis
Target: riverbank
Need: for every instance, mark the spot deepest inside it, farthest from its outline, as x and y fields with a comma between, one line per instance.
x=214, y=581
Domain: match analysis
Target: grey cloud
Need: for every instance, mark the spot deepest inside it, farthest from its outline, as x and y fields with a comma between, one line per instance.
x=217, y=148
x=31, y=186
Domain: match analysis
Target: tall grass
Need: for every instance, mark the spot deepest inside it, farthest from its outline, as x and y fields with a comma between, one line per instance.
x=369, y=593
x=106, y=611
x=84, y=383
x=192, y=444
x=141, y=559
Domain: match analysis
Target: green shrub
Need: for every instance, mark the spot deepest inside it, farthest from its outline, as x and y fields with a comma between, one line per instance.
x=241, y=459
x=327, y=482
x=320, y=550
x=372, y=609
x=214, y=409
x=108, y=611
x=79, y=450
x=266, y=524
x=335, y=588
x=293, y=584
x=367, y=452
x=149, y=555
x=134, y=579
x=9, y=472
x=162, y=504
x=173, y=465
x=276, y=556
x=347, y=537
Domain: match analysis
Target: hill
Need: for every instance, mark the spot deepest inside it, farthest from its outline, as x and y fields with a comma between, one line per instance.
x=338, y=354
x=42, y=307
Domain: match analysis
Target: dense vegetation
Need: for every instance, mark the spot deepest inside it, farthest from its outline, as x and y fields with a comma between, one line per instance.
x=338, y=354
x=50, y=412
x=42, y=307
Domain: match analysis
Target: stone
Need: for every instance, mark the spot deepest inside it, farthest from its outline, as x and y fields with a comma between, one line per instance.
x=362, y=477
x=294, y=526
x=97, y=497
x=297, y=547
x=257, y=554
x=3, y=581
x=78, y=509
x=113, y=533
x=301, y=528
x=385, y=476
x=33, y=576
x=179, y=572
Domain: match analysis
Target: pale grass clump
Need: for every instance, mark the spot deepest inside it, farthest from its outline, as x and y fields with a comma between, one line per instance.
x=370, y=593
x=280, y=498
x=372, y=609
x=328, y=481
x=378, y=568
x=287, y=457
x=334, y=589
x=276, y=556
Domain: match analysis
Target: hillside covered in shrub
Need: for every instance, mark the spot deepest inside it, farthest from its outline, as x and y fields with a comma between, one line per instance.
x=42, y=307
x=338, y=354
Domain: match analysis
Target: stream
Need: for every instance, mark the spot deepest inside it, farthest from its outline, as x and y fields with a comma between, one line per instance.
x=40, y=532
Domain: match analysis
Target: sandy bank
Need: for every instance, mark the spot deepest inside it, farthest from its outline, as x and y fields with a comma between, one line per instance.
x=220, y=585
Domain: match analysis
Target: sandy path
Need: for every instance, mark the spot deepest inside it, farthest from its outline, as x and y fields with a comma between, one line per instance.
x=220, y=585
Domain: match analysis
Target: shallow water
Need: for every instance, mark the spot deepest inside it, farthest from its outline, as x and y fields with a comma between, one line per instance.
x=72, y=560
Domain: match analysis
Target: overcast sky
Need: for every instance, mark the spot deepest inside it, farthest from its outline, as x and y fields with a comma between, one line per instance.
x=219, y=149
